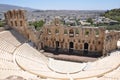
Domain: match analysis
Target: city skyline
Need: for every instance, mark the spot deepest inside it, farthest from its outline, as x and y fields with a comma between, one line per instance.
x=65, y=4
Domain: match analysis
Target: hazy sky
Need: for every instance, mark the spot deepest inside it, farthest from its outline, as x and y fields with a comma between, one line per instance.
x=65, y=4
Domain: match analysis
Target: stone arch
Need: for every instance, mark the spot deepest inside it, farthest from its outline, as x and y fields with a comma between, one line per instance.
x=11, y=23
x=65, y=31
x=76, y=31
x=97, y=32
x=42, y=45
x=56, y=31
x=48, y=31
x=21, y=23
x=86, y=45
x=71, y=32
x=21, y=14
x=57, y=44
x=10, y=14
x=71, y=45
x=14, y=13
x=87, y=32
x=16, y=23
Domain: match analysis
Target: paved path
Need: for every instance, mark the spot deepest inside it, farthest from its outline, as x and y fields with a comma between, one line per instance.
x=70, y=57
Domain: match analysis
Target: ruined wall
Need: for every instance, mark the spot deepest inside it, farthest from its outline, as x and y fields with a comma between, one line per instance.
x=110, y=41
x=90, y=41
x=77, y=39
x=16, y=19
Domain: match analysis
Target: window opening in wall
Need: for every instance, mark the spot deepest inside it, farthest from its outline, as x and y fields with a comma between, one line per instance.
x=99, y=42
x=71, y=33
x=86, y=33
x=15, y=23
x=97, y=33
x=49, y=31
x=65, y=31
x=10, y=14
x=11, y=23
x=56, y=31
x=21, y=23
x=76, y=32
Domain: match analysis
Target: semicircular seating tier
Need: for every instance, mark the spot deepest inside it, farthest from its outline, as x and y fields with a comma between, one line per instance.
x=34, y=62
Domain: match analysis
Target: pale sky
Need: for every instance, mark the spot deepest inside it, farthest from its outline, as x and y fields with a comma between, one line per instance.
x=65, y=4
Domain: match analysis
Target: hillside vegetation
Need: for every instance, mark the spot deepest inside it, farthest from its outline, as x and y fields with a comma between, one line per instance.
x=113, y=14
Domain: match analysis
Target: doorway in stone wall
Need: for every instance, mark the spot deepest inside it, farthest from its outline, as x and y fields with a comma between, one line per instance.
x=42, y=46
x=57, y=46
x=86, y=45
x=71, y=46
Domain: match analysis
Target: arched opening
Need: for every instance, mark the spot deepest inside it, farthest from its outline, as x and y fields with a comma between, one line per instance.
x=65, y=31
x=20, y=13
x=15, y=23
x=41, y=45
x=10, y=14
x=21, y=23
x=71, y=33
x=86, y=48
x=14, y=13
x=11, y=23
x=57, y=46
x=71, y=46
x=76, y=31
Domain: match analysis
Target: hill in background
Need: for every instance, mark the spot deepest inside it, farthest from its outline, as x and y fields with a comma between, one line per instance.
x=113, y=14
x=6, y=7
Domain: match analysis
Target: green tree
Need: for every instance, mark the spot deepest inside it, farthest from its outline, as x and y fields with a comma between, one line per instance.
x=90, y=20
x=38, y=24
x=1, y=24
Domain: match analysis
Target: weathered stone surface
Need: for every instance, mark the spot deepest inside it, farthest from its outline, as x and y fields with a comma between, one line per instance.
x=88, y=41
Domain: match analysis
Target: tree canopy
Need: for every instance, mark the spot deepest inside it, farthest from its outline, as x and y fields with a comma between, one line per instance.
x=1, y=24
x=37, y=24
x=90, y=20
